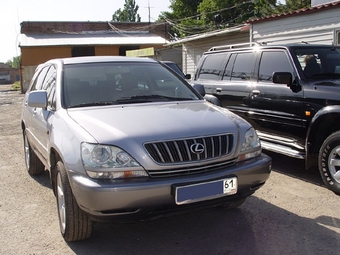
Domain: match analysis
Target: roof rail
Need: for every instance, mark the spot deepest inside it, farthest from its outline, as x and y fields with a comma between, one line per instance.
x=232, y=46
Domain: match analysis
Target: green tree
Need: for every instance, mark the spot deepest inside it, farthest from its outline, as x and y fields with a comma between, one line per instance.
x=128, y=14
x=292, y=5
x=184, y=19
x=15, y=62
x=264, y=8
x=190, y=17
x=226, y=12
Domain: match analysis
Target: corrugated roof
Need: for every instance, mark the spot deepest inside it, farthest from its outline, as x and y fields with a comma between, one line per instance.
x=91, y=38
x=312, y=9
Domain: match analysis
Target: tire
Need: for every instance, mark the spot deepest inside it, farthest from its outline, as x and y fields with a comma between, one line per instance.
x=33, y=164
x=233, y=205
x=74, y=223
x=329, y=162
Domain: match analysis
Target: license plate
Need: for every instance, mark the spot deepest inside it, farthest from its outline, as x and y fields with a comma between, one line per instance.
x=204, y=191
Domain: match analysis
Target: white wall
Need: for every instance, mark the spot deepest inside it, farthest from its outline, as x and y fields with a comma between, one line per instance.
x=318, y=2
x=313, y=28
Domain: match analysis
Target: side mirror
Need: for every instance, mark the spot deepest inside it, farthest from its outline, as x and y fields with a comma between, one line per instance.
x=212, y=99
x=188, y=76
x=286, y=78
x=37, y=99
x=282, y=78
x=200, y=89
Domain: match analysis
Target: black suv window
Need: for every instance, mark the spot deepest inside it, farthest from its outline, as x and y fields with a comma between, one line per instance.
x=319, y=63
x=273, y=61
x=212, y=66
x=242, y=67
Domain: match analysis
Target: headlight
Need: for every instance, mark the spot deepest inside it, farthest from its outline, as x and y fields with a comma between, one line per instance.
x=109, y=162
x=251, y=146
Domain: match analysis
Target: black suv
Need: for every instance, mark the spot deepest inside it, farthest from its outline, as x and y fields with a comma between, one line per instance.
x=289, y=93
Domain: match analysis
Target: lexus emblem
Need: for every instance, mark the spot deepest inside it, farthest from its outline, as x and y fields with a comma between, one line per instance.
x=197, y=148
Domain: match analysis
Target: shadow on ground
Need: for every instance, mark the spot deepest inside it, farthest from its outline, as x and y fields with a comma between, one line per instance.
x=257, y=227
x=295, y=168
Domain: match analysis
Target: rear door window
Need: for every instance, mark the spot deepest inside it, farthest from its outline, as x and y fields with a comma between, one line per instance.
x=240, y=66
x=212, y=66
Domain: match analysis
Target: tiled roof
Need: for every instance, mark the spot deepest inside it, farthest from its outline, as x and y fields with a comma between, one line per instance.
x=312, y=9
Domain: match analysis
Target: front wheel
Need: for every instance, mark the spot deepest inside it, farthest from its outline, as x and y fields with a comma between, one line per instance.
x=74, y=223
x=329, y=162
x=33, y=164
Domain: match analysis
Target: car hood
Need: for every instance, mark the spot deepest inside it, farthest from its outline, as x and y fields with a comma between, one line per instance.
x=328, y=82
x=139, y=123
x=326, y=90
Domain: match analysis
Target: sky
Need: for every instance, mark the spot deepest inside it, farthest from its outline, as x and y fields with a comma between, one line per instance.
x=13, y=12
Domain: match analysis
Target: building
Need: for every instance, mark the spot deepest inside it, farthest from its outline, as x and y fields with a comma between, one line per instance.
x=41, y=41
x=8, y=74
x=319, y=24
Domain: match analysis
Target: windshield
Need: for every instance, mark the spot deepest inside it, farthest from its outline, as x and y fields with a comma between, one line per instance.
x=117, y=83
x=319, y=63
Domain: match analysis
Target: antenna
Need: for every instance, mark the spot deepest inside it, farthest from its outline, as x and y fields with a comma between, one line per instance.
x=149, y=9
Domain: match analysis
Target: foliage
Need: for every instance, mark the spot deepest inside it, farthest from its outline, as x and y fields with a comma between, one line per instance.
x=15, y=62
x=190, y=17
x=264, y=8
x=296, y=4
x=225, y=12
x=128, y=14
x=16, y=86
x=184, y=18
x=292, y=5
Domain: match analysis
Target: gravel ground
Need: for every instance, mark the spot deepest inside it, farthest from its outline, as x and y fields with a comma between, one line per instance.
x=292, y=214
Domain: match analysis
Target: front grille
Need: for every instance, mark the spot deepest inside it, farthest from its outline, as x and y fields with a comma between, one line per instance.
x=181, y=151
x=191, y=170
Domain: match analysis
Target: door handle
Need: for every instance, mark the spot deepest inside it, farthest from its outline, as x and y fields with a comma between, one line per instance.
x=255, y=92
x=218, y=90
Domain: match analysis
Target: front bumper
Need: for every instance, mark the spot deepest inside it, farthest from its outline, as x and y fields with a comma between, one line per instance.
x=130, y=200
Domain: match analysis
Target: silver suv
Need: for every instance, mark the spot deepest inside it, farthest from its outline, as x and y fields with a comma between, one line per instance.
x=126, y=139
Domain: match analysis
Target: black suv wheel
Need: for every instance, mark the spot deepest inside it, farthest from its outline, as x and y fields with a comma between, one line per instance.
x=329, y=162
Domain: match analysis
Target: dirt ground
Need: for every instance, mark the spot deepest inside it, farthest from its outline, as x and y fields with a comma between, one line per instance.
x=292, y=214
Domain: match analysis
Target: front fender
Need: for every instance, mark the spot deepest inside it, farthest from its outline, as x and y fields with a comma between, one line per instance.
x=66, y=137
x=325, y=122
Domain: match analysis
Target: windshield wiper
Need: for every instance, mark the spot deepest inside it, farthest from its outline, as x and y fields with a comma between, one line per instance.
x=150, y=98
x=101, y=103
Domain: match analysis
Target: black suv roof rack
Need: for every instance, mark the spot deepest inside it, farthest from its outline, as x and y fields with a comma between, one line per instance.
x=233, y=46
